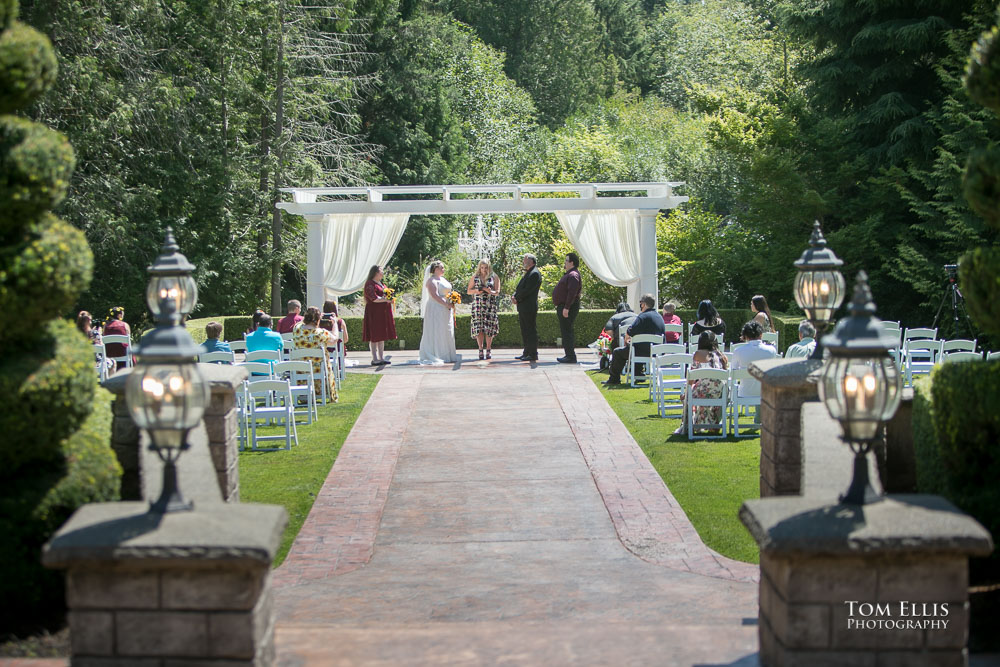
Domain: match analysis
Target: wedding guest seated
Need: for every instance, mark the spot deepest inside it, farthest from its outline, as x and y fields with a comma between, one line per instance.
x=255, y=322
x=624, y=316
x=117, y=326
x=707, y=355
x=264, y=338
x=807, y=343
x=708, y=320
x=333, y=322
x=84, y=322
x=754, y=350
x=670, y=318
x=287, y=323
x=647, y=322
x=212, y=343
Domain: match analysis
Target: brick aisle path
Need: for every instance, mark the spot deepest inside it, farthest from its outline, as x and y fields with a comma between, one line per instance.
x=462, y=525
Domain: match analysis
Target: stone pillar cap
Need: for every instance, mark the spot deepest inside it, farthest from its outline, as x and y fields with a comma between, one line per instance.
x=791, y=373
x=218, y=376
x=127, y=534
x=911, y=523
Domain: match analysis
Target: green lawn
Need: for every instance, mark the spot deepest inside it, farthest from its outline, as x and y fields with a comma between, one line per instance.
x=709, y=478
x=293, y=478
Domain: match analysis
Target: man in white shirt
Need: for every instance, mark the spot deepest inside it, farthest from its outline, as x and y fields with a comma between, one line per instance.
x=807, y=343
x=754, y=350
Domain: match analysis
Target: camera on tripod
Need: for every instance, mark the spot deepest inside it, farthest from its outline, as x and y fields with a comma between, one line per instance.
x=951, y=270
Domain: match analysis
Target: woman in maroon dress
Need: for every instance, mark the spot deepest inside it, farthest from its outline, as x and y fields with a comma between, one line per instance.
x=379, y=324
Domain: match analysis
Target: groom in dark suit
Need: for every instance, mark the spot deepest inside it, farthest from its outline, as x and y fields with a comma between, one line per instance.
x=526, y=300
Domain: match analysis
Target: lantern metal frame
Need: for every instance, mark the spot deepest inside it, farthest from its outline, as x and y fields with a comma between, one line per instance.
x=819, y=266
x=171, y=267
x=859, y=342
x=168, y=347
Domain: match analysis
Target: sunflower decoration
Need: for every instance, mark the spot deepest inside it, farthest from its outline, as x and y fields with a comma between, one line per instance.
x=454, y=297
x=113, y=313
x=389, y=294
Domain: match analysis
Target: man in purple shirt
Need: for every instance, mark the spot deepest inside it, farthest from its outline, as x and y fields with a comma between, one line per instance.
x=288, y=322
x=566, y=297
x=670, y=318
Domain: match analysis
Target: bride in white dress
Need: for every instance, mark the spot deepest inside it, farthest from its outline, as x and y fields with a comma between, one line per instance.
x=437, y=344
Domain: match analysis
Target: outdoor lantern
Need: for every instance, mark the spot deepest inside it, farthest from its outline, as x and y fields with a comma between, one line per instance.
x=171, y=277
x=165, y=392
x=860, y=385
x=819, y=286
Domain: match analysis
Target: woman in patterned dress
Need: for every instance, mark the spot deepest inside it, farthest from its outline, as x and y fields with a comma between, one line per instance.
x=706, y=356
x=484, y=285
x=308, y=335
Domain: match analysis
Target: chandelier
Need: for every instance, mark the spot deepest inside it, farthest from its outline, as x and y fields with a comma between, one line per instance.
x=479, y=245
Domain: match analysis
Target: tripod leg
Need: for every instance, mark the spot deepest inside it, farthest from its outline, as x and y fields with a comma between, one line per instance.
x=944, y=297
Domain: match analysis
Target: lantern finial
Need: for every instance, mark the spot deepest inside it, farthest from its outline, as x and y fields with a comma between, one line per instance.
x=862, y=303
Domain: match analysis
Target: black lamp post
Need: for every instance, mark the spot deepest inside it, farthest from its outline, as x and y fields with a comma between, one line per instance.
x=860, y=385
x=170, y=276
x=819, y=286
x=166, y=394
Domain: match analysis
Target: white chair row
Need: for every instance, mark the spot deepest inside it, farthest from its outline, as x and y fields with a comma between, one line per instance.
x=672, y=383
x=274, y=393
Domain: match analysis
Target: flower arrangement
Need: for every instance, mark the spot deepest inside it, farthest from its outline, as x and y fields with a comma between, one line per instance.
x=454, y=297
x=389, y=294
x=604, y=344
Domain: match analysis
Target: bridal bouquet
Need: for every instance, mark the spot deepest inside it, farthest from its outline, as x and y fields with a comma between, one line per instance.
x=389, y=294
x=454, y=297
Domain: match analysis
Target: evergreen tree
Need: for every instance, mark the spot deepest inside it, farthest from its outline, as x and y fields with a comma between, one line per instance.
x=55, y=454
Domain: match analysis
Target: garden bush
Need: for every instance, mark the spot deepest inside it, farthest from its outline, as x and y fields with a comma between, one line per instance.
x=56, y=453
x=956, y=431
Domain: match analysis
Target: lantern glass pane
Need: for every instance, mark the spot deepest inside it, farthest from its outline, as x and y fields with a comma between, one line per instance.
x=166, y=396
x=860, y=393
x=182, y=288
x=819, y=293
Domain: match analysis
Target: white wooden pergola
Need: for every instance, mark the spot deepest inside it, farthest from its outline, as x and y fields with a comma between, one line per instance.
x=645, y=199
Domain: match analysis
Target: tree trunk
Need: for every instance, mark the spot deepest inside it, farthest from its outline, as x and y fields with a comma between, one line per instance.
x=279, y=120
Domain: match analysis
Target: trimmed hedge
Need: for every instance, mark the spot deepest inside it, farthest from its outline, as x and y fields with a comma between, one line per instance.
x=27, y=66
x=36, y=164
x=33, y=506
x=956, y=440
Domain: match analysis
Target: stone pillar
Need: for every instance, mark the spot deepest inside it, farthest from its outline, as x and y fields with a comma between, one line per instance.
x=785, y=385
x=647, y=258
x=220, y=424
x=885, y=583
x=186, y=588
x=900, y=460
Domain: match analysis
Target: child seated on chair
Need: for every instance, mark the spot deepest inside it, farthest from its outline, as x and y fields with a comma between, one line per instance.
x=707, y=355
x=212, y=343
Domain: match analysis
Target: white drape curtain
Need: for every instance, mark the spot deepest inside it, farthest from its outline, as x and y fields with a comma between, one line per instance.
x=352, y=244
x=608, y=241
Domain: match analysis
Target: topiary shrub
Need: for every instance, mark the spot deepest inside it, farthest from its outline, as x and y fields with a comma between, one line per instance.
x=56, y=453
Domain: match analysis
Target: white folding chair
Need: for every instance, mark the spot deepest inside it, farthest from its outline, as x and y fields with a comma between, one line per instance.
x=750, y=399
x=958, y=345
x=289, y=345
x=222, y=357
x=237, y=345
x=123, y=340
x=656, y=351
x=277, y=406
x=961, y=356
x=670, y=377
x=258, y=371
x=992, y=355
x=919, y=333
x=722, y=402
x=770, y=337
x=736, y=346
x=302, y=385
x=634, y=360
x=308, y=354
x=263, y=355
x=100, y=363
x=920, y=357
x=677, y=329
x=890, y=325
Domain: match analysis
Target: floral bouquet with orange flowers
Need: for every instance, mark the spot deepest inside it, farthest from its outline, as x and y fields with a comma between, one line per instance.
x=389, y=294
x=454, y=297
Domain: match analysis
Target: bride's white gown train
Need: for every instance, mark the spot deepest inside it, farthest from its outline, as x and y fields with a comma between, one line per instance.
x=437, y=344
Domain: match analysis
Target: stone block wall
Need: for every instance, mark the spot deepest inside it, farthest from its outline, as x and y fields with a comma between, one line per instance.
x=221, y=424
x=813, y=610
x=785, y=386
x=201, y=615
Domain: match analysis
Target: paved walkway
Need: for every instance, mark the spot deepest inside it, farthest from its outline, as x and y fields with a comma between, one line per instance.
x=501, y=513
